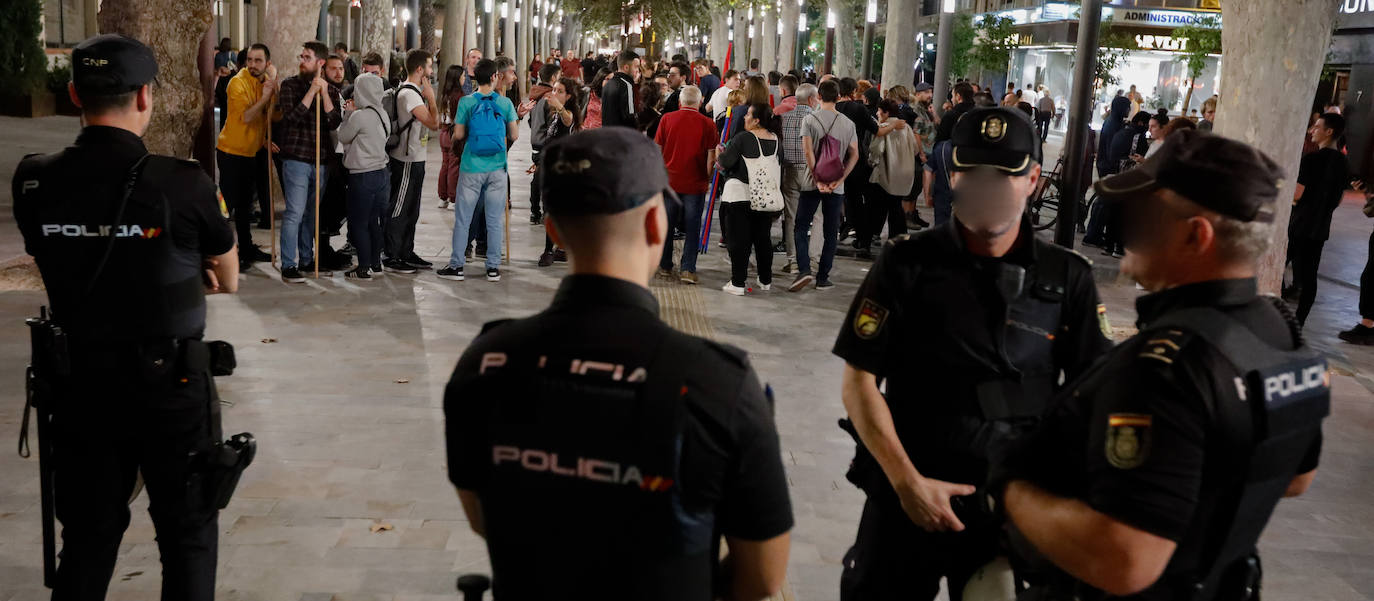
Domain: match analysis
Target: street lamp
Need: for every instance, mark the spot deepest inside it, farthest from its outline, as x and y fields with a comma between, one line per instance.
x=944, y=47
x=866, y=71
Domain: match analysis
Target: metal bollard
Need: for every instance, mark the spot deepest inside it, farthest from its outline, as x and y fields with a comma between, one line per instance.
x=472, y=586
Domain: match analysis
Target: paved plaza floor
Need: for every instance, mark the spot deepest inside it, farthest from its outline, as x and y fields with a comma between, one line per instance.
x=341, y=383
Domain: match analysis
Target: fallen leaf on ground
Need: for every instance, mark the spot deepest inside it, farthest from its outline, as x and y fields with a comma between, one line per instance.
x=381, y=527
x=402, y=381
x=268, y=340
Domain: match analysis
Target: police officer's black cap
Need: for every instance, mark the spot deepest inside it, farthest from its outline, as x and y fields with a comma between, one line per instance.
x=602, y=172
x=998, y=137
x=111, y=64
x=1226, y=176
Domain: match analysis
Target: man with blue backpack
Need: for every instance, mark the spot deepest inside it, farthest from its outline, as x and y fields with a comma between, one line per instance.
x=486, y=120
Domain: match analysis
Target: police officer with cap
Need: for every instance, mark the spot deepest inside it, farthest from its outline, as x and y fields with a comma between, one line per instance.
x=1156, y=472
x=971, y=326
x=601, y=453
x=128, y=245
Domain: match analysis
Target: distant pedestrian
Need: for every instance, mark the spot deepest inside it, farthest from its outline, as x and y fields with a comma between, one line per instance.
x=751, y=196
x=364, y=135
x=486, y=120
x=1044, y=111
x=688, y=141
x=1323, y=177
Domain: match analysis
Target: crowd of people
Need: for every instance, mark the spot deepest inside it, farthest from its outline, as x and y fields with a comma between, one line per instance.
x=768, y=150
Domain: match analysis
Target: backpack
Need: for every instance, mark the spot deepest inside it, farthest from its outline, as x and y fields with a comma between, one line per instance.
x=486, y=128
x=398, y=132
x=829, y=156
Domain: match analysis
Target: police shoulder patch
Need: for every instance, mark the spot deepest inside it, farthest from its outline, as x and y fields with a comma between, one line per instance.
x=869, y=320
x=1128, y=439
x=1162, y=346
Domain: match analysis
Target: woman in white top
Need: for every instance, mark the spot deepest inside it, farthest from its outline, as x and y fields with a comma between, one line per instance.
x=752, y=196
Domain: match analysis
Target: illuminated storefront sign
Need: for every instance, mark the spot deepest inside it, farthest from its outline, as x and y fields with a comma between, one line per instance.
x=1161, y=42
x=1163, y=18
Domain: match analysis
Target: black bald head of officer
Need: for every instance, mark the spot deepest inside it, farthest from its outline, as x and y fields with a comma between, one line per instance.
x=995, y=164
x=605, y=193
x=112, y=82
x=1201, y=208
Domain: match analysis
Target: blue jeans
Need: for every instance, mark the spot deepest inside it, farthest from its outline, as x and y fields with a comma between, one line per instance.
x=488, y=189
x=688, y=218
x=944, y=207
x=298, y=222
x=368, y=196
x=830, y=206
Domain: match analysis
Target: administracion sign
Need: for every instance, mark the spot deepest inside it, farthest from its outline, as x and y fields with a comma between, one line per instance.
x=1163, y=18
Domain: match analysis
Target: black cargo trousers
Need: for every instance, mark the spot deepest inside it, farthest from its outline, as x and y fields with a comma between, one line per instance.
x=126, y=411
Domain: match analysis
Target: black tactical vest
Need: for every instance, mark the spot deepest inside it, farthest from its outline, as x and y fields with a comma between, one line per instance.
x=583, y=451
x=1270, y=424
x=106, y=253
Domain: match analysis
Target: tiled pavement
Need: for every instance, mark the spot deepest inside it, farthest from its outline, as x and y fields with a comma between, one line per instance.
x=341, y=383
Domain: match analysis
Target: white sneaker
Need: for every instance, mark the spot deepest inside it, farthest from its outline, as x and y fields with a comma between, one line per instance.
x=443, y=204
x=762, y=286
x=730, y=288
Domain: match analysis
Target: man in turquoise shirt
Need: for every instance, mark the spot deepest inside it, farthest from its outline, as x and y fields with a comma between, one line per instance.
x=482, y=171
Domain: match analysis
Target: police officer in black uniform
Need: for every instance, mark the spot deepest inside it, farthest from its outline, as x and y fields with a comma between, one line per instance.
x=128, y=243
x=600, y=452
x=971, y=326
x=1156, y=472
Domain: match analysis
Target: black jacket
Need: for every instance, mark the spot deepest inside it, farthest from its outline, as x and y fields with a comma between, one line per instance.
x=618, y=102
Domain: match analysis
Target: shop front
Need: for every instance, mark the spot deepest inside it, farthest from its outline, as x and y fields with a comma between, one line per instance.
x=1348, y=80
x=1047, y=51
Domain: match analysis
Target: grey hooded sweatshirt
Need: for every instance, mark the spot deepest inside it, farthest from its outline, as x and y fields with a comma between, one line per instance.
x=364, y=131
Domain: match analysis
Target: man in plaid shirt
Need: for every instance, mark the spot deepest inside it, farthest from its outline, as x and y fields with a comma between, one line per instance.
x=795, y=176
x=295, y=133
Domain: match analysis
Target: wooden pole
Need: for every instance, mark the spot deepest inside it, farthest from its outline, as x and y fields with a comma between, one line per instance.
x=271, y=185
x=507, y=261
x=319, y=98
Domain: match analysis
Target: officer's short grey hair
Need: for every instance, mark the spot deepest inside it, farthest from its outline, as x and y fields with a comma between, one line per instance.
x=689, y=96
x=1242, y=241
x=804, y=93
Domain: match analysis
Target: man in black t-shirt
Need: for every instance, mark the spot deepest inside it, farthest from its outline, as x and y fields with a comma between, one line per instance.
x=1323, y=177
x=601, y=453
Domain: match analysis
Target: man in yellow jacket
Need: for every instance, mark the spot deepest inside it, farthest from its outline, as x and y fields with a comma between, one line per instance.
x=241, y=150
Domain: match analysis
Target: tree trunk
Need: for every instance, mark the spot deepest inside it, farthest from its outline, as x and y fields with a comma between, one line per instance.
x=293, y=24
x=489, y=30
x=787, y=47
x=469, y=27
x=1188, y=96
x=522, y=35
x=508, y=33
x=844, y=39
x=720, y=27
x=739, y=59
x=174, y=30
x=427, y=39
x=899, y=49
x=1253, y=61
x=768, y=57
x=376, y=33
x=452, y=42
x=204, y=148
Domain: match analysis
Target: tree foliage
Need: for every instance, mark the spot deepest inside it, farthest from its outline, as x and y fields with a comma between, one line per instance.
x=1113, y=50
x=665, y=16
x=23, y=65
x=1204, y=39
x=995, y=39
x=961, y=59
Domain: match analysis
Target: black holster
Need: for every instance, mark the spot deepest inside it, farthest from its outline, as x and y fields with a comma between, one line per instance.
x=215, y=471
x=864, y=471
